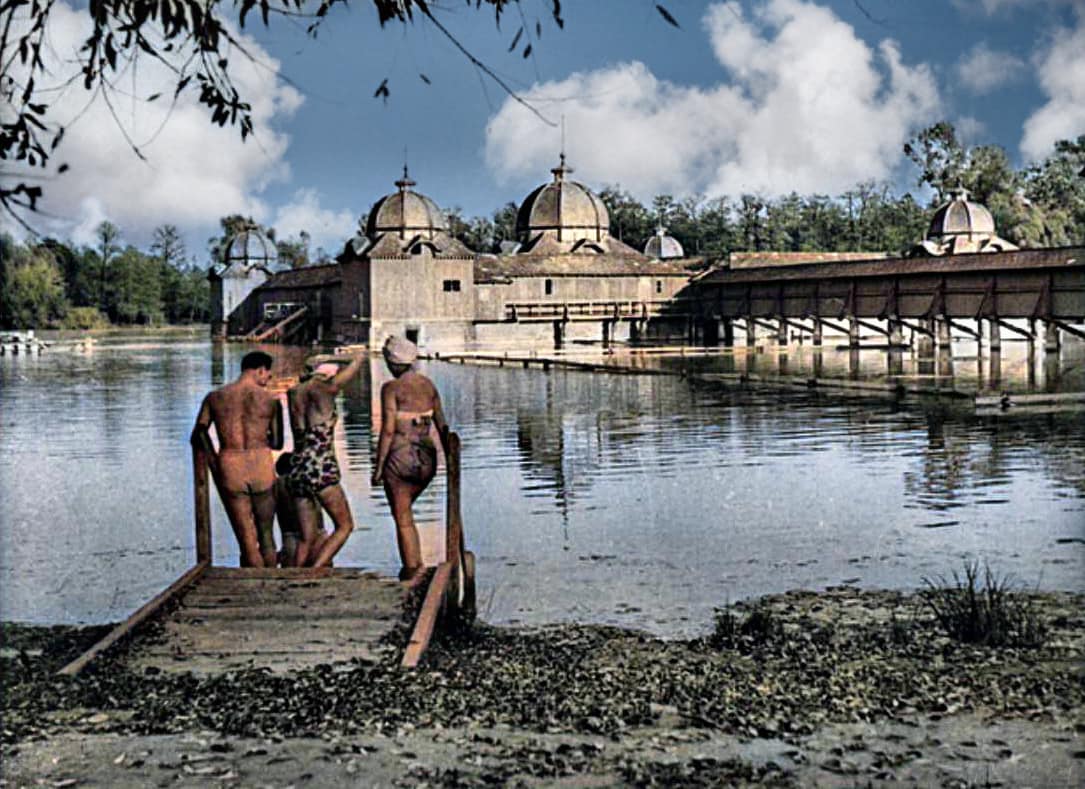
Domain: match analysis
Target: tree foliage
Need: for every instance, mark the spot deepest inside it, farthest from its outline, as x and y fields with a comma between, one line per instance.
x=193, y=38
x=55, y=284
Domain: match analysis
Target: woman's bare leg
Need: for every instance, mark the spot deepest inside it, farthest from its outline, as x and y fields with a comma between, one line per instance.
x=401, y=496
x=309, y=521
x=336, y=505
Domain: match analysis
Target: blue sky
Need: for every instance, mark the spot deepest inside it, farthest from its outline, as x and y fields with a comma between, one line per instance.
x=757, y=95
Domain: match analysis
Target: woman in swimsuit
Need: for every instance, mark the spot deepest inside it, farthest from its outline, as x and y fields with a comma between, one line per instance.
x=406, y=453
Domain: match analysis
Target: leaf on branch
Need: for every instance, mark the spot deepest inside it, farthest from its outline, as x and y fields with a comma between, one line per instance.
x=62, y=169
x=516, y=38
x=382, y=90
x=527, y=51
x=667, y=16
x=557, y=14
x=153, y=96
x=424, y=78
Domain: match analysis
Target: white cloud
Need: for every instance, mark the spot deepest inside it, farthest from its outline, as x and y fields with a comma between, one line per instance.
x=1060, y=69
x=983, y=69
x=970, y=130
x=809, y=107
x=326, y=228
x=194, y=173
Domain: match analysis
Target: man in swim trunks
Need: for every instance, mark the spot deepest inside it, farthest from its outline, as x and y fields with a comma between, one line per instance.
x=314, y=472
x=406, y=453
x=248, y=421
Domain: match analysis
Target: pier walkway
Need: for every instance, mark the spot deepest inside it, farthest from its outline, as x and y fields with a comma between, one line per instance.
x=217, y=619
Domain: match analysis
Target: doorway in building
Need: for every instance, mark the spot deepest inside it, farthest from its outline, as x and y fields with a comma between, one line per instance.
x=412, y=334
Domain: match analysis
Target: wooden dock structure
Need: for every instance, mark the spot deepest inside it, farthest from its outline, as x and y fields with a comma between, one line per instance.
x=216, y=619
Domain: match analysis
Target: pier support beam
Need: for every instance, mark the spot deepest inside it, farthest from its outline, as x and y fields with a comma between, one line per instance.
x=606, y=334
x=559, y=335
x=1052, y=337
x=728, y=333
x=943, y=339
x=751, y=332
x=817, y=332
x=781, y=332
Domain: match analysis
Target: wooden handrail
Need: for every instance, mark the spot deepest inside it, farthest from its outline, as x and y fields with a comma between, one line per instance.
x=140, y=616
x=201, y=490
x=454, y=542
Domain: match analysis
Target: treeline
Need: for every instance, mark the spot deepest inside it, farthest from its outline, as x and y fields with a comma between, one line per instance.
x=1037, y=206
x=58, y=285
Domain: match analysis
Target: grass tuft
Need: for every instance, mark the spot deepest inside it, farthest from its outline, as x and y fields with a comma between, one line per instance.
x=988, y=610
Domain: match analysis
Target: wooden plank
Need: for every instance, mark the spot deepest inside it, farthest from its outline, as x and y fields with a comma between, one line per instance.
x=130, y=624
x=284, y=613
x=427, y=616
x=1009, y=400
x=283, y=573
x=201, y=505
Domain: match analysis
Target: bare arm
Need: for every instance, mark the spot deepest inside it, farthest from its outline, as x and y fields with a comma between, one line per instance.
x=275, y=428
x=200, y=438
x=440, y=421
x=346, y=373
x=388, y=430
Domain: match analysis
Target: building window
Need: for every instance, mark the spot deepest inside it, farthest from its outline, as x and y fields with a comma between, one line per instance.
x=548, y=287
x=452, y=286
x=659, y=286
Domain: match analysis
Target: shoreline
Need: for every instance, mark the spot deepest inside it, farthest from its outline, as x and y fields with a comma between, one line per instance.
x=847, y=687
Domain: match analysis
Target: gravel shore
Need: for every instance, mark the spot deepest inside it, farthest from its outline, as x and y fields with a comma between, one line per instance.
x=835, y=688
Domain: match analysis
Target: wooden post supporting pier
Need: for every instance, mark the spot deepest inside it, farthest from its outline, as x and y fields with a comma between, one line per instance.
x=202, y=504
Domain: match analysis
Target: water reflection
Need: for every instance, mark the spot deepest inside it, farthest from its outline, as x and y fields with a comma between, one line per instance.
x=635, y=500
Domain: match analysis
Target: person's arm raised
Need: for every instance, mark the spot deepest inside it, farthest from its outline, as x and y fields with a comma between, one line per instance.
x=340, y=379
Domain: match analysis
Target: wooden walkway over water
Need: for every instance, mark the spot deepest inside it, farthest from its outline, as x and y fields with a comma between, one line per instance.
x=217, y=619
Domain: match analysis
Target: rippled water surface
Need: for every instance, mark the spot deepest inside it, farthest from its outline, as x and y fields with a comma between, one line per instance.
x=629, y=499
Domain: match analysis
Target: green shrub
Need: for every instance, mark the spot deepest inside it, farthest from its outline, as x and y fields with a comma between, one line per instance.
x=990, y=611
x=84, y=318
x=757, y=628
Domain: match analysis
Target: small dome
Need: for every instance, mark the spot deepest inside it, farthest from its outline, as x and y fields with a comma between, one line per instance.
x=568, y=208
x=663, y=247
x=960, y=217
x=406, y=213
x=249, y=248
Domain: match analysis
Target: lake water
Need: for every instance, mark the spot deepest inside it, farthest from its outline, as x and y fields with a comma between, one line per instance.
x=636, y=500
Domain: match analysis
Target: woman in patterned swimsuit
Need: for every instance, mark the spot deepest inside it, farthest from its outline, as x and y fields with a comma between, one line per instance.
x=406, y=453
x=314, y=475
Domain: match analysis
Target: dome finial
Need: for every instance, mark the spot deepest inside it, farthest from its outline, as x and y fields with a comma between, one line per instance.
x=959, y=192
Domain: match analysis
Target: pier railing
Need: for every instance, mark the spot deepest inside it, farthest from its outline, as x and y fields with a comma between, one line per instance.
x=451, y=591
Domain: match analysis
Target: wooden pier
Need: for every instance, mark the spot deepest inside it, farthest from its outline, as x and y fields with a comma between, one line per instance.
x=217, y=619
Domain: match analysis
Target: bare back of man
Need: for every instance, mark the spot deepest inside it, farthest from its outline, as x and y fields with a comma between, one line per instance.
x=248, y=422
x=314, y=478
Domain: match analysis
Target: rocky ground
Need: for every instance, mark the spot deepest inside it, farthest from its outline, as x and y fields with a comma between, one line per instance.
x=839, y=688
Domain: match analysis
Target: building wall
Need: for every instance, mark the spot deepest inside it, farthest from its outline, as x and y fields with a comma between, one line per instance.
x=429, y=299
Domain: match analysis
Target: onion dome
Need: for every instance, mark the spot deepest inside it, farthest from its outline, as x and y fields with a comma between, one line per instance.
x=566, y=208
x=406, y=213
x=663, y=247
x=247, y=249
x=961, y=217
x=961, y=227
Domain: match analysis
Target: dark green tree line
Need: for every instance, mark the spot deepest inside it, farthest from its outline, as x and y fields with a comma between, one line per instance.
x=56, y=284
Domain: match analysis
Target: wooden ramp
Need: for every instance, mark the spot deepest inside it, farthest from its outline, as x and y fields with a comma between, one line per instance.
x=234, y=618
x=217, y=619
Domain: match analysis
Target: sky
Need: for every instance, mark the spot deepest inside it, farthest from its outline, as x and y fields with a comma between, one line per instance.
x=767, y=96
